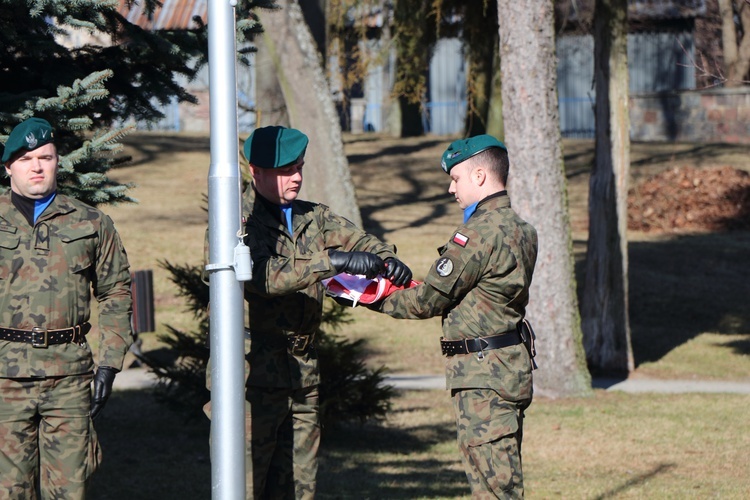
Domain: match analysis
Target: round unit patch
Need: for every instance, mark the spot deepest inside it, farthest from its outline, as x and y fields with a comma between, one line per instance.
x=444, y=267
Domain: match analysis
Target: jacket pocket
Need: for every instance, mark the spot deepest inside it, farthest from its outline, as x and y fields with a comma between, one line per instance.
x=78, y=246
x=492, y=424
x=9, y=240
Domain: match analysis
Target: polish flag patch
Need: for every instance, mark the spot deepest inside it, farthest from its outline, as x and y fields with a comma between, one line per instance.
x=460, y=239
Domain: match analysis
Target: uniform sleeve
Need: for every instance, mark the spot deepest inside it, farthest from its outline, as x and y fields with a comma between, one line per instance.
x=280, y=275
x=458, y=270
x=277, y=275
x=341, y=234
x=112, y=290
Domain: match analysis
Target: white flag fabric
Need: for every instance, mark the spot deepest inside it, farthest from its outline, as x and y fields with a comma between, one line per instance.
x=360, y=290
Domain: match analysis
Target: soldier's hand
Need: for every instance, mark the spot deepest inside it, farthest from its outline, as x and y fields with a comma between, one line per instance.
x=103, y=380
x=398, y=272
x=366, y=263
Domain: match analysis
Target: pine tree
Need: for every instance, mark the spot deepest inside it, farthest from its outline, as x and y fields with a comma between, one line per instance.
x=44, y=74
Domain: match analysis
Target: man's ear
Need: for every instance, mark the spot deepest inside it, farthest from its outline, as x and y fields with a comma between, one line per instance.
x=479, y=176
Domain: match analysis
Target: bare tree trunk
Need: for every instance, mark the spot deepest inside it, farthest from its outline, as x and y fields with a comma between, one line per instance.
x=314, y=13
x=479, y=78
x=480, y=26
x=736, y=55
x=310, y=108
x=743, y=62
x=604, y=304
x=391, y=109
x=495, y=126
x=728, y=39
x=270, y=108
x=414, y=42
x=538, y=190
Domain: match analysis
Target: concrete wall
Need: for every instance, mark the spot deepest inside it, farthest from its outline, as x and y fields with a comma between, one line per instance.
x=713, y=115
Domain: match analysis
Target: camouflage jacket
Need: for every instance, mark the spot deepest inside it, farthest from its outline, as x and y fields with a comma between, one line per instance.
x=47, y=273
x=285, y=296
x=480, y=286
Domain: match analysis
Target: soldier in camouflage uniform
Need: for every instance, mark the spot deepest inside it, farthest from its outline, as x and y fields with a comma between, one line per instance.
x=294, y=245
x=480, y=286
x=53, y=250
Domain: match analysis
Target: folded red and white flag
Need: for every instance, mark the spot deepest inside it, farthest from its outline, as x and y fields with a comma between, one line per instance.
x=359, y=289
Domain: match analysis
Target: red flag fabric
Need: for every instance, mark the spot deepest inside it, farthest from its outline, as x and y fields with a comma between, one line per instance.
x=360, y=290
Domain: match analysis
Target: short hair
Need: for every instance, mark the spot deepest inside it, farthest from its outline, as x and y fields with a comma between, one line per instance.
x=496, y=161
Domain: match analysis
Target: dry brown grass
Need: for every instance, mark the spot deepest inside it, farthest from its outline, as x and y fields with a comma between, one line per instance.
x=637, y=446
x=689, y=317
x=682, y=287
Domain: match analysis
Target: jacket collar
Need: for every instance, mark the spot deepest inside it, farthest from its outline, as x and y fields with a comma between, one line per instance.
x=61, y=204
x=493, y=201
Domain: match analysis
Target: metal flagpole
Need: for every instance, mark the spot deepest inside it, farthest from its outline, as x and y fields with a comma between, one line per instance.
x=229, y=262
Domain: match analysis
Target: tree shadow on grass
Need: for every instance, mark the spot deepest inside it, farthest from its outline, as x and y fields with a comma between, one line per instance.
x=417, y=166
x=399, y=151
x=649, y=157
x=147, y=147
x=686, y=285
x=636, y=481
x=352, y=464
x=697, y=154
x=439, y=209
x=150, y=451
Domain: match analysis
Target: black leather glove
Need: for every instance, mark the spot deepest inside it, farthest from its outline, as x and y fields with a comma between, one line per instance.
x=365, y=263
x=103, y=380
x=396, y=271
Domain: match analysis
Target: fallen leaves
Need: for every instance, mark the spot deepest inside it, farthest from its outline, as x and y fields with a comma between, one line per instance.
x=685, y=199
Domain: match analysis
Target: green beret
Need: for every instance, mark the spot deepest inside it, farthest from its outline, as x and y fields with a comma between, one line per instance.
x=29, y=135
x=275, y=147
x=463, y=149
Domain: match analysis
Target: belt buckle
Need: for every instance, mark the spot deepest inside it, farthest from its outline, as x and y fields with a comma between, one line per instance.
x=37, y=330
x=482, y=344
x=300, y=343
x=78, y=336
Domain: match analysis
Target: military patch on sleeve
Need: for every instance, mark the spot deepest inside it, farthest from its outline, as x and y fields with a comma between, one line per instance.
x=444, y=267
x=460, y=239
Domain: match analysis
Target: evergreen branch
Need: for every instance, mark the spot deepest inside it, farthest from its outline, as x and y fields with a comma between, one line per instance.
x=77, y=95
x=82, y=24
x=79, y=123
x=107, y=141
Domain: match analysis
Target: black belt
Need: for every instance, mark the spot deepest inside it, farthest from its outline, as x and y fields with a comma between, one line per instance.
x=297, y=344
x=41, y=337
x=465, y=346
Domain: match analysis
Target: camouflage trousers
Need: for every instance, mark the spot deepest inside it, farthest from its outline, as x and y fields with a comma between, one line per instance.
x=282, y=428
x=48, y=446
x=489, y=433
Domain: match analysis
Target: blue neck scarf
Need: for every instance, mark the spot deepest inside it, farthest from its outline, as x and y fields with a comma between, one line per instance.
x=41, y=205
x=287, y=211
x=469, y=211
